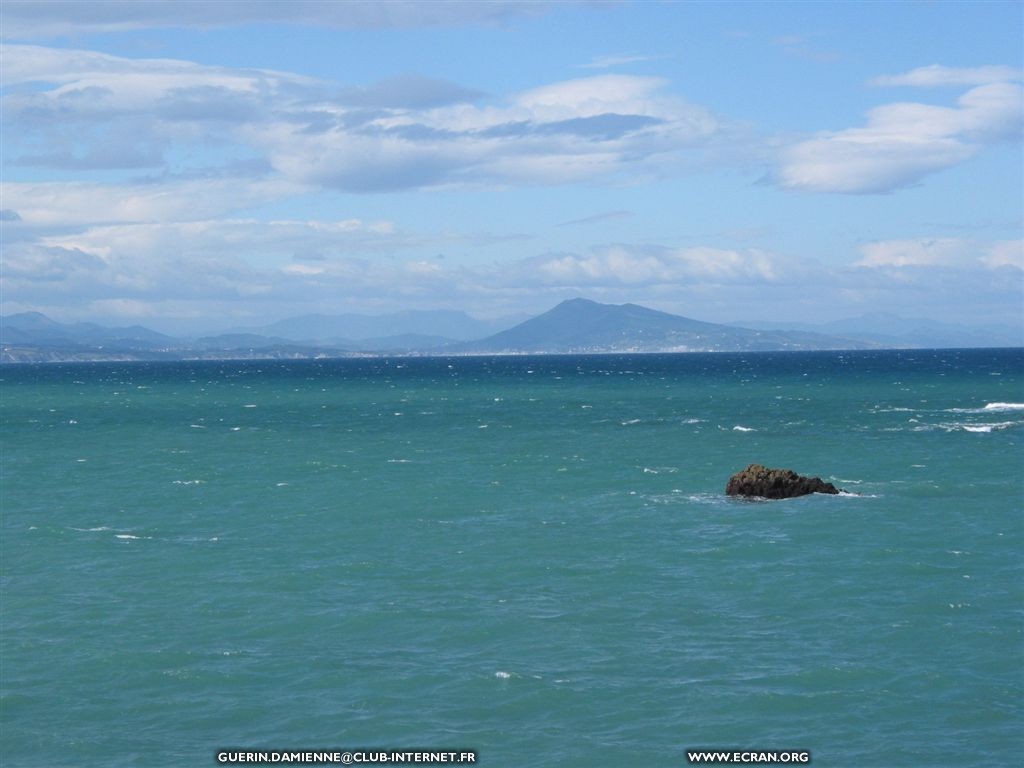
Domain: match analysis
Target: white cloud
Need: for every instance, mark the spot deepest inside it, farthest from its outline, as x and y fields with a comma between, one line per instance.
x=1006, y=253
x=271, y=242
x=559, y=133
x=218, y=270
x=619, y=265
x=32, y=271
x=144, y=77
x=75, y=204
x=913, y=253
x=938, y=75
x=945, y=252
x=402, y=133
x=904, y=142
x=263, y=263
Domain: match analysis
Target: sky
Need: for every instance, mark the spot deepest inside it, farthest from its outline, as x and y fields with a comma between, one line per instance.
x=195, y=166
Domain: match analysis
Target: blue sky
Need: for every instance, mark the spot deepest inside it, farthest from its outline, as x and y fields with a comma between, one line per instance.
x=191, y=165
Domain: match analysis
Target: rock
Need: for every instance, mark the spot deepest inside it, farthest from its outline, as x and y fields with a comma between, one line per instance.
x=767, y=483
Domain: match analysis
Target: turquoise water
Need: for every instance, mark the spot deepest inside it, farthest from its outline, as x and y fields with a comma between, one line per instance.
x=529, y=557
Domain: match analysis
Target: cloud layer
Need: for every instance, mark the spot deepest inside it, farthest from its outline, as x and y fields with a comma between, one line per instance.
x=28, y=18
x=904, y=142
x=132, y=174
x=69, y=108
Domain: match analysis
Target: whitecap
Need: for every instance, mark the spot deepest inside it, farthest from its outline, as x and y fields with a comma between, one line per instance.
x=502, y=675
x=399, y=461
x=101, y=528
x=691, y=421
x=197, y=426
x=126, y=536
x=989, y=408
x=631, y=421
x=713, y=499
x=988, y=427
x=739, y=428
x=249, y=405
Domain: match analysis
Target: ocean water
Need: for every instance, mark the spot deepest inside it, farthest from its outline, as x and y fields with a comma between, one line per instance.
x=532, y=557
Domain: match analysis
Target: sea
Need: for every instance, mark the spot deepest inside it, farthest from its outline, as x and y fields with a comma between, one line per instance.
x=528, y=557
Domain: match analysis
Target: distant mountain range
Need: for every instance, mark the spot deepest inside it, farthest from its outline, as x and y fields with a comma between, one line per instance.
x=574, y=326
x=582, y=326
x=891, y=330
x=349, y=329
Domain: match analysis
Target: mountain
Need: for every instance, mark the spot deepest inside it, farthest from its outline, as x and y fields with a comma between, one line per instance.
x=240, y=341
x=444, y=323
x=891, y=330
x=37, y=329
x=403, y=343
x=574, y=326
x=581, y=326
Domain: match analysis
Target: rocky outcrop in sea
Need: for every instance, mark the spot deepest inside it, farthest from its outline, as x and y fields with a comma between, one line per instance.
x=764, y=482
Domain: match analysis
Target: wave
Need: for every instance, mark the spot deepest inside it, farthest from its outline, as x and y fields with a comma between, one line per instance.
x=989, y=408
x=740, y=428
x=981, y=427
x=988, y=427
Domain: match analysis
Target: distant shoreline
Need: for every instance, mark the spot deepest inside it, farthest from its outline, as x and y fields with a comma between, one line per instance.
x=5, y=359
